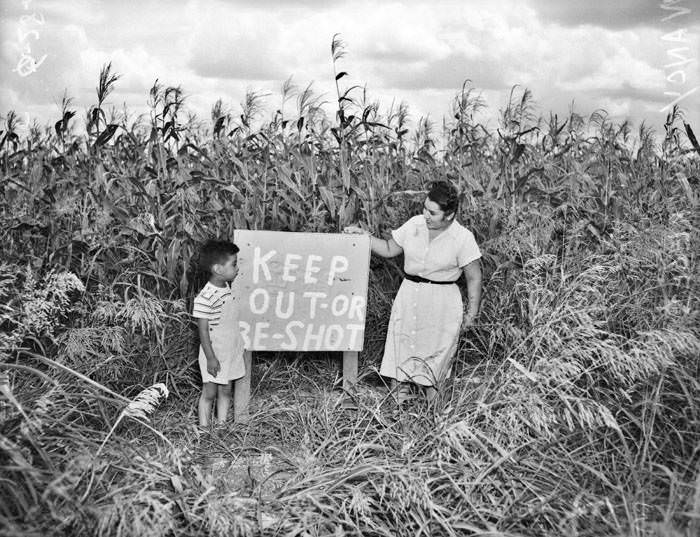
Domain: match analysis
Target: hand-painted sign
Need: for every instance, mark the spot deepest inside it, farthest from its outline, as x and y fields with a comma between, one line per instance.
x=302, y=291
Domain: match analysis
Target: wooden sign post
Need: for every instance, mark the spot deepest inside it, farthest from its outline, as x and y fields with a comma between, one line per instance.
x=300, y=292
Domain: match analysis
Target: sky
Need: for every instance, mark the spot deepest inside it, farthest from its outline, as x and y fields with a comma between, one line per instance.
x=631, y=58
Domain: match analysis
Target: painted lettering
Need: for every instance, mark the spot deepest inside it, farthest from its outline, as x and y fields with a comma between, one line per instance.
x=340, y=305
x=259, y=309
x=339, y=264
x=311, y=268
x=291, y=342
x=357, y=307
x=260, y=262
x=259, y=335
x=313, y=296
x=334, y=337
x=289, y=267
x=316, y=338
x=355, y=330
x=287, y=313
x=244, y=328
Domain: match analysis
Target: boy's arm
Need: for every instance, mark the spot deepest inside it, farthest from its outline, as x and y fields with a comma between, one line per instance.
x=213, y=365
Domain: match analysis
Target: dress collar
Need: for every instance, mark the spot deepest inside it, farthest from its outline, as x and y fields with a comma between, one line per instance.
x=451, y=231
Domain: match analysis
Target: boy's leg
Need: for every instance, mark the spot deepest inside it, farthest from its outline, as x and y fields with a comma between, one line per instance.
x=205, y=403
x=223, y=402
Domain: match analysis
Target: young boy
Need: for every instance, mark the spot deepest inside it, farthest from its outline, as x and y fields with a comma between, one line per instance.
x=216, y=311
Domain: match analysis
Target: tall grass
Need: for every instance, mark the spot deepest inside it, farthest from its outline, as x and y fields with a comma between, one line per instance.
x=573, y=408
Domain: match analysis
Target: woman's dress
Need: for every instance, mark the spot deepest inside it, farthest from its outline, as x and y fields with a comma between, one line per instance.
x=426, y=318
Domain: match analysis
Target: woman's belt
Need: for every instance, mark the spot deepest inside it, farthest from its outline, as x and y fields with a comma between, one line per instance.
x=420, y=279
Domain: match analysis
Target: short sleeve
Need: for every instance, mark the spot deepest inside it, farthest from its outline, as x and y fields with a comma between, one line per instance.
x=469, y=250
x=203, y=308
x=399, y=235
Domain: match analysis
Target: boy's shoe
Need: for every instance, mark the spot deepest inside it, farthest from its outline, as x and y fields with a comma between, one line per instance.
x=220, y=428
x=348, y=403
x=201, y=430
x=243, y=418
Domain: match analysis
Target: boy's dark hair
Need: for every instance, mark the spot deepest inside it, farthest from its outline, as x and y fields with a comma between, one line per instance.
x=215, y=251
x=445, y=195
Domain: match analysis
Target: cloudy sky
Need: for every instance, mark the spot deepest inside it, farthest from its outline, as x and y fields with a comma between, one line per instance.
x=630, y=57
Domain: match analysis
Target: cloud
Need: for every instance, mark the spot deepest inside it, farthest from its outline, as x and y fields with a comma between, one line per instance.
x=447, y=73
x=627, y=90
x=439, y=47
x=236, y=58
x=618, y=14
x=227, y=43
x=411, y=50
x=295, y=4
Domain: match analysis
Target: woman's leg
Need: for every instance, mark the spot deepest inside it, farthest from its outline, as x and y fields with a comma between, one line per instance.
x=205, y=403
x=401, y=391
x=223, y=402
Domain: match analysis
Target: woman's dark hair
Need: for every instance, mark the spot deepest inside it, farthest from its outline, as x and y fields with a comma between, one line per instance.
x=445, y=195
x=215, y=251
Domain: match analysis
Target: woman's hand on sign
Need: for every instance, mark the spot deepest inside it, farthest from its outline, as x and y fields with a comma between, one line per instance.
x=356, y=230
x=213, y=366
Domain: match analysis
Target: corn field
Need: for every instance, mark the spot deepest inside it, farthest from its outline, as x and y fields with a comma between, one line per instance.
x=573, y=409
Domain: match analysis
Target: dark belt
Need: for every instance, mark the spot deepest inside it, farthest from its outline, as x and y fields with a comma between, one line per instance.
x=420, y=279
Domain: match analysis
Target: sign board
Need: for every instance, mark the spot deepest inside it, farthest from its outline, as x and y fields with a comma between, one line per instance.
x=302, y=291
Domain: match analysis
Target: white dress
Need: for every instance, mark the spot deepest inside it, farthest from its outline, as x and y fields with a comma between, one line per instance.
x=426, y=318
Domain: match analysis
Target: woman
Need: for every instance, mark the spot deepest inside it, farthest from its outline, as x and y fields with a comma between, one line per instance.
x=428, y=311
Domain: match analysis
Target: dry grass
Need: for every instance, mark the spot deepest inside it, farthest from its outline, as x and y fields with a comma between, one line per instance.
x=574, y=405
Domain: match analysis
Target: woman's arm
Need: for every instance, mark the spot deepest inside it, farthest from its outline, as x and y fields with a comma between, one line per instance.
x=385, y=247
x=381, y=247
x=213, y=365
x=472, y=273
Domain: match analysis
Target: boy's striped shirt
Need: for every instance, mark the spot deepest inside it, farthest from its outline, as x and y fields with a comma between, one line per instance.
x=209, y=303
